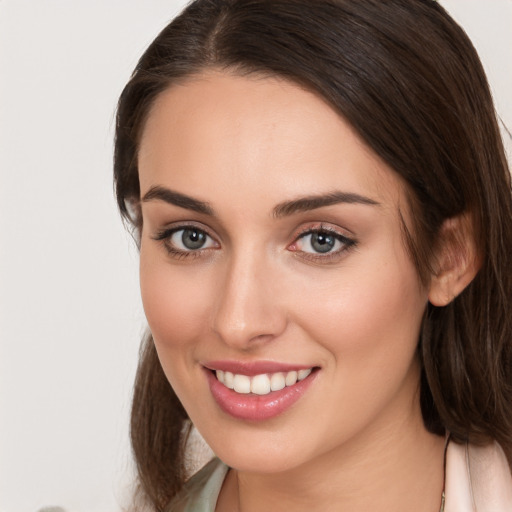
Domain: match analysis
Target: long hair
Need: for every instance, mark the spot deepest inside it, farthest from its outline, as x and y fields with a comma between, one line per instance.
x=408, y=80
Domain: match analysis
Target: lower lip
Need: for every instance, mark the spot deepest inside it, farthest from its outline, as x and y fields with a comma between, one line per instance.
x=251, y=407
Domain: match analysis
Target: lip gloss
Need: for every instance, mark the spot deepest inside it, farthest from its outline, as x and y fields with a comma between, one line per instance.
x=252, y=407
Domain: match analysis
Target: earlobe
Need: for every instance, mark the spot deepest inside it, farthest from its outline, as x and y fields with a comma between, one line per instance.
x=457, y=261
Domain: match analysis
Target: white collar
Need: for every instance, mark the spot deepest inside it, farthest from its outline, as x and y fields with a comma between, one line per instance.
x=477, y=479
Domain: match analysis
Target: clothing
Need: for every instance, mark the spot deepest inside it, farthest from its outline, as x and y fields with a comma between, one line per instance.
x=202, y=490
x=477, y=479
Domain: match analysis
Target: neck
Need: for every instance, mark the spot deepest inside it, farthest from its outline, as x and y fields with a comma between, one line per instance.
x=399, y=468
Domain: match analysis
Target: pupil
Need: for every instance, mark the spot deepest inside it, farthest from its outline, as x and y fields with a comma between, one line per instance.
x=322, y=242
x=193, y=238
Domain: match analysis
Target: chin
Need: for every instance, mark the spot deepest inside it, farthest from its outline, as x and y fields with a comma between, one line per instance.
x=265, y=453
x=260, y=463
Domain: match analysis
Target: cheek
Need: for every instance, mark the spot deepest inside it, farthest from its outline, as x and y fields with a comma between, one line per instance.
x=175, y=301
x=176, y=306
x=369, y=320
x=368, y=325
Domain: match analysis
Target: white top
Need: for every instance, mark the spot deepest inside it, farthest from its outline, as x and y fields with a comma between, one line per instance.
x=478, y=479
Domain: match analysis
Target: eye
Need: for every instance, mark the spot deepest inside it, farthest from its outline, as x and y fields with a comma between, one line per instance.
x=190, y=239
x=322, y=243
x=185, y=241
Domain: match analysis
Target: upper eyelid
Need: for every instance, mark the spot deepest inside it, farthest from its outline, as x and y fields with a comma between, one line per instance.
x=302, y=231
x=348, y=244
x=178, y=226
x=343, y=239
x=164, y=235
x=342, y=232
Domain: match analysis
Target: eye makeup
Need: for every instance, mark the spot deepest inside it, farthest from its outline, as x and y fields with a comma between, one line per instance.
x=320, y=242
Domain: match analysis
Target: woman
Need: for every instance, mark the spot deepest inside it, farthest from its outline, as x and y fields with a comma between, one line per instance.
x=323, y=208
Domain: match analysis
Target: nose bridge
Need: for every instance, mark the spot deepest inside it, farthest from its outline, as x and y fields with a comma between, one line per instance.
x=247, y=309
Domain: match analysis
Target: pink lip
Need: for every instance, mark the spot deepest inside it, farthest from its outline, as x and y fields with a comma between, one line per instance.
x=254, y=367
x=251, y=407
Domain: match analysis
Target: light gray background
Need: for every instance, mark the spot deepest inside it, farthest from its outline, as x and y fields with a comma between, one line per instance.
x=70, y=315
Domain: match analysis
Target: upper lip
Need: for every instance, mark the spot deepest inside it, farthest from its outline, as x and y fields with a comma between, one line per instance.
x=251, y=368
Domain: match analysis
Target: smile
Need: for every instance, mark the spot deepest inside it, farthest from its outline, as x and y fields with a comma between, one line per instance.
x=262, y=384
x=258, y=391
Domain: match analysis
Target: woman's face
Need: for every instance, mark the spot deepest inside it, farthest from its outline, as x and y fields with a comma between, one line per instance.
x=271, y=246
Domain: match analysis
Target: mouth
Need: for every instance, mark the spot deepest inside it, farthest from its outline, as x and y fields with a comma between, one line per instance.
x=258, y=392
x=261, y=384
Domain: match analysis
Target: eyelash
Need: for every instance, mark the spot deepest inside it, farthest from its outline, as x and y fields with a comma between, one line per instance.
x=346, y=244
x=165, y=236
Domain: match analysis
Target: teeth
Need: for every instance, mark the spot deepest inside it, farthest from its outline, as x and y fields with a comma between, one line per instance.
x=277, y=381
x=228, y=380
x=291, y=378
x=242, y=384
x=261, y=384
x=303, y=374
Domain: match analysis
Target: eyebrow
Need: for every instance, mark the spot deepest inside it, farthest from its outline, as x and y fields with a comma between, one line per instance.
x=283, y=209
x=304, y=204
x=172, y=197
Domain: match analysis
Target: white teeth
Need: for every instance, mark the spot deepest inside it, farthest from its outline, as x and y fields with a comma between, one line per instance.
x=303, y=374
x=242, y=384
x=291, y=378
x=277, y=382
x=261, y=384
x=228, y=380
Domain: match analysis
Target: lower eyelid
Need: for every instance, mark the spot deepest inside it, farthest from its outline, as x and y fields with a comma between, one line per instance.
x=166, y=234
x=331, y=256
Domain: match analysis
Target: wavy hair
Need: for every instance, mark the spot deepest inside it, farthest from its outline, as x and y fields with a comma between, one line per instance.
x=409, y=81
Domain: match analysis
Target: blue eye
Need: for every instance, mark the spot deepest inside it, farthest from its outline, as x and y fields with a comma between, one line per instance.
x=322, y=242
x=190, y=239
x=319, y=242
x=186, y=240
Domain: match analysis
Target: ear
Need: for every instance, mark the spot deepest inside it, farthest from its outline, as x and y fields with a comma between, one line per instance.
x=457, y=260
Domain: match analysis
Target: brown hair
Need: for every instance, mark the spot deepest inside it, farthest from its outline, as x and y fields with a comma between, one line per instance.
x=409, y=81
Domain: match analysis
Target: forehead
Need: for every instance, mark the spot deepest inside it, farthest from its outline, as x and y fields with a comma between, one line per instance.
x=256, y=136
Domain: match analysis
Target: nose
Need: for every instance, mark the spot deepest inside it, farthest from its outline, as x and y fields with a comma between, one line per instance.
x=248, y=312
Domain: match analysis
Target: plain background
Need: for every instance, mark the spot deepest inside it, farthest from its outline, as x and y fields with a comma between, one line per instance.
x=70, y=314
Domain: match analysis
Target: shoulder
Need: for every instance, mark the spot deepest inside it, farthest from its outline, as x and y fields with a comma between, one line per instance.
x=200, y=492
x=478, y=478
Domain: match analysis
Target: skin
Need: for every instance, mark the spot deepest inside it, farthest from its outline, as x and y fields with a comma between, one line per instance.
x=258, y=291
